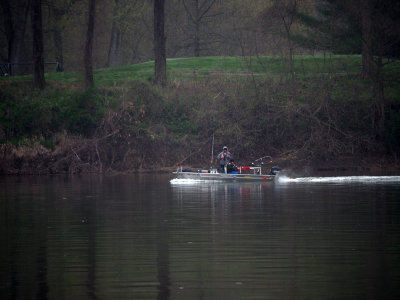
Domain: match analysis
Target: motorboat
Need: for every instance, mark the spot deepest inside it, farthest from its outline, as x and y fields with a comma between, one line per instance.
x=243, y=174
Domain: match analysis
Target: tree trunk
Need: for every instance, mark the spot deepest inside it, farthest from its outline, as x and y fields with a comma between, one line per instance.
x=198, y=16
x=8, y=27
x=14, y=29
x=88, y=60
x=160, y=70
x=197, y=30
x=38, y=61
x=379, y=94
x=288, y=15
x=291, y=62
x=114, y=50
x=366, y=43
x=57, y=37
x=19, y=40
x=197, y=40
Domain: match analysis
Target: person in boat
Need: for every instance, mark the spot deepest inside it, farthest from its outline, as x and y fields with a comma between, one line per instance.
x=231, y=167
x=223, y=158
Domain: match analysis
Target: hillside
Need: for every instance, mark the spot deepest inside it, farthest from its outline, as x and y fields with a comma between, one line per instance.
x=324, y=117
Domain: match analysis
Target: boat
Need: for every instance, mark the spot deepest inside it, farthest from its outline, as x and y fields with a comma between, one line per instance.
x=244, y=174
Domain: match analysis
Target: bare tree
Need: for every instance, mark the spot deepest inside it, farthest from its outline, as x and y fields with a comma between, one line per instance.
x=366, y=43
x=282, y=15
x=160, y=71
x=58, y=10
x=15, y=16
x=197, y=13
x=114, y=50
x=377, y=23
x=8, y=26
x=89, y=81
x=58, y=40
x=37, y=30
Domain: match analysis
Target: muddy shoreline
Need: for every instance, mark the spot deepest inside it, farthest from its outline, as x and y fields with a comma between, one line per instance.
x=41, y=161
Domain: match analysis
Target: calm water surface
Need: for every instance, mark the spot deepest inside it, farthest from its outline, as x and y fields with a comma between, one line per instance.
x=147, y=237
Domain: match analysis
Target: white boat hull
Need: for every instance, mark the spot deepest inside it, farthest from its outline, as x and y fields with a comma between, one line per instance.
x=223, y=177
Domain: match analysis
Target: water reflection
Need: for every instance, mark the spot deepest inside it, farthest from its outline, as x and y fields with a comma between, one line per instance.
x=296, y=240
x=143, y=237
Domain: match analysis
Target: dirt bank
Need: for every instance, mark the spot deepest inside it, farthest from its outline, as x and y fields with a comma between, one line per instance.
x=83, y=156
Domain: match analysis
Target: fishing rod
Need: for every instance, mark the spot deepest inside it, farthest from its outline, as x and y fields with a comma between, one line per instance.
x=261, y=158
x=194, y=152
x=212, y=151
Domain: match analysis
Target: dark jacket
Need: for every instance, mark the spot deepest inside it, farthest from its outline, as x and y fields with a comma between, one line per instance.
x=231, y=167
x=223, y=160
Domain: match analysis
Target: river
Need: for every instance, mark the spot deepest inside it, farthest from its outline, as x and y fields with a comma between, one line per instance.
x=150, y=237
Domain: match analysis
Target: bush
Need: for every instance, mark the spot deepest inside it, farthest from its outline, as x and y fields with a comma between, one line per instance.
x=392, y=131
x=81, y=112
x=42, y=114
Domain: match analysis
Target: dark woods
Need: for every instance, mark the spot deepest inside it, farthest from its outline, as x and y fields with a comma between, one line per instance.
x=296, y=114
x=37, y=34
x=124, y=30
x=160, y=72
x=89, y=81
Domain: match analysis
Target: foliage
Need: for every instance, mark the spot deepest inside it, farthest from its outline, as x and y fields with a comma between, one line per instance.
x=43, y=114
x=392, y=131
x=332, y=28
x=337, y=26
x=323, y=114
x=81, y=112
x=123, y=31
x=204, y=67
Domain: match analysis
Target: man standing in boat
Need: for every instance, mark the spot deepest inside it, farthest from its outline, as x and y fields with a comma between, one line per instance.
x=223, y=158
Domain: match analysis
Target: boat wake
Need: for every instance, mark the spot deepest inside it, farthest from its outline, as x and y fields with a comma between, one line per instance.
x=284, y=179
x=341, y=179
x=183, y=181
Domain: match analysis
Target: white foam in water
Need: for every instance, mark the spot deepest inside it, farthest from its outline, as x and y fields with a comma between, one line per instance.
x=193, y=181
x=341, y=179
x=185, y=181
x=181, y=181
x=338, y=179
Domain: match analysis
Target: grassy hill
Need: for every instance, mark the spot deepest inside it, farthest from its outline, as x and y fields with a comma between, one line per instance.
x=192, y=68
x=323, y=114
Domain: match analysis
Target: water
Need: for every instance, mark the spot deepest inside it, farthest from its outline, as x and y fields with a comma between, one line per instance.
x=147, y=237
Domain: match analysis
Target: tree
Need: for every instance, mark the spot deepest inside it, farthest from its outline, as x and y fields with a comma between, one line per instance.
x=127, y=31
x=282, y=15
x=369, y=27
x=160, y=71
x=58, y=9
x=114, y=50
x=57, y=37
x=88, y=60
x=15, y=16
x=198, y=15
x=366, y=38
x=8, y=26
x=37, y=30
x=329, y=28
x=354, y=26
x=382, y=48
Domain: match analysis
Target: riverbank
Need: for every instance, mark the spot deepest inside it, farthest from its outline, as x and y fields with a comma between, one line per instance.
x=37, y=160
x=324, y=118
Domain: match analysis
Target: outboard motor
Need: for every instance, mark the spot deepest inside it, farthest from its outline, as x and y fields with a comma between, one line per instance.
x=274, y=170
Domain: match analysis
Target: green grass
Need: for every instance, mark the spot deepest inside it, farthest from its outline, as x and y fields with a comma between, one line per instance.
x=327, y=85
x=199, y=67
